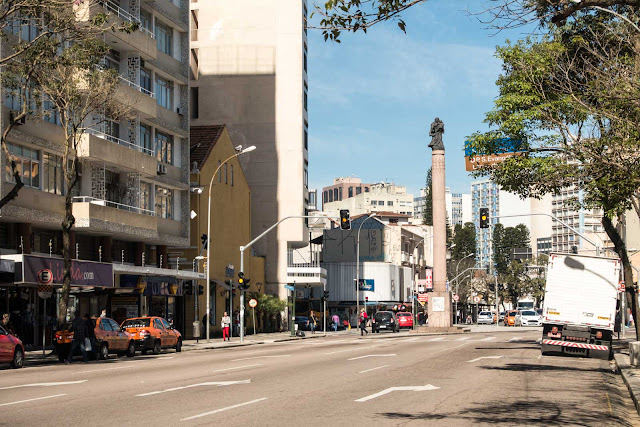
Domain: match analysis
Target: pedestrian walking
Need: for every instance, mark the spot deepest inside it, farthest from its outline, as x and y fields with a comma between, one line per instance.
x=104, y=313
x=336, y=320
x=313, y=322
x=363, y=322
x=236, y=323
x=226, y=324
x=6, y=323
x=80, y=332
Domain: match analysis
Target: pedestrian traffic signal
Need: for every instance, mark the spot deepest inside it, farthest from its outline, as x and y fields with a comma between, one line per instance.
x=204, y=239
x=200, y=290
x=484, y=217
x=187, y=288
x=326, y=294
x=345, y=222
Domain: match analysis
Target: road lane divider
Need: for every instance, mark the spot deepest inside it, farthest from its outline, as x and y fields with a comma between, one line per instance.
x=463, y=338
x=436, y=339
x=224, y=409
x=210, y=383
x=44, y=384
x=104, y=369
x=260, y=357
x=351, y=349
x=484, y=357
x=392, y=389
x=32, y=400
x=373, y=369
x=236, y=368
x=373, y=355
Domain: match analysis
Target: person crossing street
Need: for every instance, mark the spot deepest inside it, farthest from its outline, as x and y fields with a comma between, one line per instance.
x=363, y=322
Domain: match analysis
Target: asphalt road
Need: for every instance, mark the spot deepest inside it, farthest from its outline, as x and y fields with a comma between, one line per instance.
x=450, y=380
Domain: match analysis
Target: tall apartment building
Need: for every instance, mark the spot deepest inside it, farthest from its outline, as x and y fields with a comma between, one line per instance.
x=381, y=197
x=458, y=206
x=343, y=188
x=132, y=206
x=487, y=194
x=249, y=72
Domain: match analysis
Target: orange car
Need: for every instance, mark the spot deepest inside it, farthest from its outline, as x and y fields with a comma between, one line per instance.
x=510, y=318
x=153, y=333
x=109, y=340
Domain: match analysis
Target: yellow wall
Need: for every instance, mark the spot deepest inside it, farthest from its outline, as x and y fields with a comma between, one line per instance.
x=230, y=228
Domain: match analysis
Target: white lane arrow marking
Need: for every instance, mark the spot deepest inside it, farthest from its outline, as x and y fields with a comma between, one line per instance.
x=43, y=384
x=390, y=389
x=515, y=339
x=373, y=355
x=436, y=339
x=260, y=357
x=488, y=339
x=484, y=357
x=212, y=383
x=31, y=400
x=224, y=409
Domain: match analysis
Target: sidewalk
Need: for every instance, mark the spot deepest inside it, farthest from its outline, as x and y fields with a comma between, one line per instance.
x=630, y=374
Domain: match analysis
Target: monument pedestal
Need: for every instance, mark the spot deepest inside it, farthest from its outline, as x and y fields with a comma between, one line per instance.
x=439, y=310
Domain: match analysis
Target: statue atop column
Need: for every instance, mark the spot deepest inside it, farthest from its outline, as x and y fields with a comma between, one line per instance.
x=437, y=129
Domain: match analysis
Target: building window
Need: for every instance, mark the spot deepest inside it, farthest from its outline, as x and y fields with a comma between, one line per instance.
x=164, y=93
x=146, y=80
x=145, y=139
x=389, y=203
x=340, y=192
x=330, y=195
x=146, y=20
x=350, y=191
x=194, y=102
x=53, y=182
x=145, y=196
x=306, y=140
x=305, y=100
x=358, y=190
x=112, y=129
x=305, y=57
x=232, y=175
x=226, y=181
x=164, y=203
x=366, y=189
x=325, y=197
x=27, y=164
x=335, y=194
x=164, y=147
x=374, y=203
x=164, y=37
x=305, y=176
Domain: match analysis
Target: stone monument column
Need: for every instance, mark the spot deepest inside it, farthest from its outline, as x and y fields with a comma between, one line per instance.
x=439, y=299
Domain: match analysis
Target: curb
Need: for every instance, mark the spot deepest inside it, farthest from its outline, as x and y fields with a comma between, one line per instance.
x=630, y=378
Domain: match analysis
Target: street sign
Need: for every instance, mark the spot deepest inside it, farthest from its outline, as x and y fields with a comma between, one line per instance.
x=423, y=297
x=45, y=291
x=477, y=299
x=456, y=297
x=253, y=302
x=621, y=287
x=45, y=276
x=290, y=287
x=504, y=149
x=229, y=271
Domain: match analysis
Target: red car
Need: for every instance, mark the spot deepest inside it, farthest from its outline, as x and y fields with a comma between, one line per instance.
x=11, y=349
x=405, y=319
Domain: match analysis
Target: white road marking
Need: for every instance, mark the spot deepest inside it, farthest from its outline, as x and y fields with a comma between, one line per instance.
x=211, y=383
x=147, y=359
x=104, y=369
x=224, y=409
x=260, y=357
x=31, y=400
x=390, y=389
x=373, y=355
x=237, y=367
x=44, y=384
x=484, y=357
x=539, y=340
x=436, y=339
x=372, y=369
x=487, y=339
x=515, y=339
x=463, y=339
x=411, y=339
x=351, y=349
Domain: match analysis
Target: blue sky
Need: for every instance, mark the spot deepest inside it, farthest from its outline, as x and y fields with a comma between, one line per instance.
x=373, y=97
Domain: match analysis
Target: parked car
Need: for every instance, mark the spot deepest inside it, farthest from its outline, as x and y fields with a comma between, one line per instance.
x=510, y=318
x=485, y=317
x=528, y=318
x=11, y=349
x=385, y=320
x=109, y=340
x=405, y=319
x=303, y=323
x=152, y=333
x=501, y=318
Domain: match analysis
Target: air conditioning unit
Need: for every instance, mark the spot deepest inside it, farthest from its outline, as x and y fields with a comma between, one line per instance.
x=13, y=114
x=162, y=169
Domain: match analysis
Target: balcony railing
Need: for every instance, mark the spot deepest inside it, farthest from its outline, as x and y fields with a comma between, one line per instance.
x=109, y=203
x=136, y=86
x=119, y=141
x=111, y=7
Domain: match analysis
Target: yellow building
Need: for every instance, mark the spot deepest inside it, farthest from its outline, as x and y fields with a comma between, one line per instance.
x=230, y=224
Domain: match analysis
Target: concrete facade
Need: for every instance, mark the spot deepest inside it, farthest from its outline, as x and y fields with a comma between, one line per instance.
x=343, y=188
x=381, y=197
x=249, y=72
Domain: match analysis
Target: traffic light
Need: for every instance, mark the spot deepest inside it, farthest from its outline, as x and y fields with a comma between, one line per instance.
x=204, y=240
x=484, y=217
x=200, y=290
x=325, y=296
x=345, y=222
x=242, y=282
x=187, y=288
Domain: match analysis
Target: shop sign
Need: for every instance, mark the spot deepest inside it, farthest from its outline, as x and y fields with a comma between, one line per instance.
x=366, y=285
x=83, y=273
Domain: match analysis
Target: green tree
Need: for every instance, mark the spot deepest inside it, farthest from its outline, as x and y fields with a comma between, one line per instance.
x=505, y=240
x=267, y=310
x=464, y=238
x=427, y=211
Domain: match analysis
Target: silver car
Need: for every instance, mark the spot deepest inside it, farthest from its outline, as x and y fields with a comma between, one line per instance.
x=528, y=318
x=485, y=317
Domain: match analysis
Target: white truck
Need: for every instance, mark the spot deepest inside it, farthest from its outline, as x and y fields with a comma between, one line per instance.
x=580, y=305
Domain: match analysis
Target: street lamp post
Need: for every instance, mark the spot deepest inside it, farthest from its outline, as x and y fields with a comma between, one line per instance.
x=455, y=310
x=358, y=266
x=208, y=285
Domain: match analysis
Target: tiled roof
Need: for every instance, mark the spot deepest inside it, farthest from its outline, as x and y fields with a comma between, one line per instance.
x=202, y=140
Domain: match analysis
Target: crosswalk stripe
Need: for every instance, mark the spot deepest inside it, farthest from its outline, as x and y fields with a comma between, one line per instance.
x=488, y=339
x=463, y=339
x=436, y=339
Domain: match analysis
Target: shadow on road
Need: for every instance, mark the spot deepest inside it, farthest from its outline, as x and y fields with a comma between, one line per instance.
x=526, y=367
x=510, y=348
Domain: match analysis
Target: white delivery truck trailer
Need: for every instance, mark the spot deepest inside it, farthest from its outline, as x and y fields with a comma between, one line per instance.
x=580, y=305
